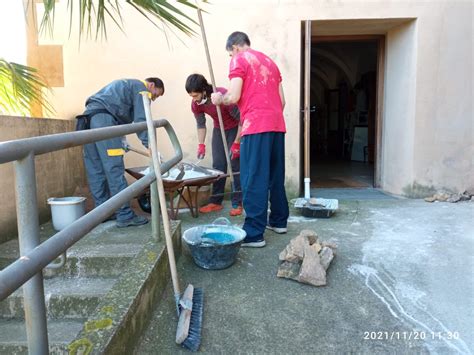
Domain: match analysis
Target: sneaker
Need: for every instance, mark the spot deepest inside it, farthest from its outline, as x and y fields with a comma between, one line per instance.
x=236, y=211
x=211, y=207
x=278, y=230
x=253, y=242
x=135, y=221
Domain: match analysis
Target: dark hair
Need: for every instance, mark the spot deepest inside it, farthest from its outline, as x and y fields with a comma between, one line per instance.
x=237, y=39
x=197, y=83
x=158, y=83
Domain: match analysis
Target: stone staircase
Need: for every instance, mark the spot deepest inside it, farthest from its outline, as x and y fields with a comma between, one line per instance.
x=101, y=299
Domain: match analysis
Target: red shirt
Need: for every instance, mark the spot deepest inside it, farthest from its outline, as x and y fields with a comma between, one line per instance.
x=209, y=108
x=260, y=103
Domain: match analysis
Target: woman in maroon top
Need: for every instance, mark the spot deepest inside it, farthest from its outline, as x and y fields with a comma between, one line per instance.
x=200, y=91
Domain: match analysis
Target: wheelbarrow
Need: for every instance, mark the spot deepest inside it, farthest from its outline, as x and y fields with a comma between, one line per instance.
x=177, y=183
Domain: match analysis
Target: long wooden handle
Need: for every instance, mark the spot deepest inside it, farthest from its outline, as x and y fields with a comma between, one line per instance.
x=213, y=81
x=161, y=194
x=139, y=151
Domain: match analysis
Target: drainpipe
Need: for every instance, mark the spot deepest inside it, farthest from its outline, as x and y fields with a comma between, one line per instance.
x=307, y=97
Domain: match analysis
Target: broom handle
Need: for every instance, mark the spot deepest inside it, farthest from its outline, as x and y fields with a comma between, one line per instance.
x=213, y=81
x=139, y=151
x=161, y=194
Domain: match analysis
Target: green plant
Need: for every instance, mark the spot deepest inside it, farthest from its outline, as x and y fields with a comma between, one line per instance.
x=94, y=13
x=20, y=86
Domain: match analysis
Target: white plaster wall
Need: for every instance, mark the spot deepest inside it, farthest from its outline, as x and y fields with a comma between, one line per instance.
x=399, y=108
x=444, y=151
x=274, y=26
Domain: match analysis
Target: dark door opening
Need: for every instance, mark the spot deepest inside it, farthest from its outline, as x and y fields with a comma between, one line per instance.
x=343, y=124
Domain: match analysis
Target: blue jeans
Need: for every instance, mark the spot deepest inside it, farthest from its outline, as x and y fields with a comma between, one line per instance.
x=262, y=175
x=106, y=173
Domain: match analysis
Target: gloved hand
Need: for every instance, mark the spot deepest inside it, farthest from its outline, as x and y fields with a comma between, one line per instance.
x=201, y=152
x=235, y=151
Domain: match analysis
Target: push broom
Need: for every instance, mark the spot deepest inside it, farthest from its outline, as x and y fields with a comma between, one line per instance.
x=190, y=306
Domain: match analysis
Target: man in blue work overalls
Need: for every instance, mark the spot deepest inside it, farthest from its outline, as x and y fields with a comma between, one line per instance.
x=120, y=102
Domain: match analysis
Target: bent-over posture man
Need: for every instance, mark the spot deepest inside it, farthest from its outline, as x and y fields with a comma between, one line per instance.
x=120, y=102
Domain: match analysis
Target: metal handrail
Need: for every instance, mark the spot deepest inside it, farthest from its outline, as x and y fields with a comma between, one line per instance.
x=35, y=256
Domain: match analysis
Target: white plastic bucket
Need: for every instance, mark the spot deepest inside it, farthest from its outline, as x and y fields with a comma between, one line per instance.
x=65, y=210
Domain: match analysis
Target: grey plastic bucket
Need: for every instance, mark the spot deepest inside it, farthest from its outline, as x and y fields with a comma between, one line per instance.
x=214, y=246
x=65, y=210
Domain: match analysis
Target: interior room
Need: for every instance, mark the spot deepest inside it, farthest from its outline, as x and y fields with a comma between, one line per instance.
x=343, y=112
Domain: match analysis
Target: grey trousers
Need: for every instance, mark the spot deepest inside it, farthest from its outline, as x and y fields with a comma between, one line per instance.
x=106, y=173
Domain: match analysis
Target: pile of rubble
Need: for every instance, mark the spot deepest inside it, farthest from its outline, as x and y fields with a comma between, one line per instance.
x=444, y=196
x=306, y=259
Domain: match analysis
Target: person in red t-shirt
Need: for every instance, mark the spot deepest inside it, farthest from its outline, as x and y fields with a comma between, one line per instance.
x=199, y=89
x=255, y=85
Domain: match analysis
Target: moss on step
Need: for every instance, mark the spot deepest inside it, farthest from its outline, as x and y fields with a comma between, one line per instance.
x=81, y=346
x=97, y=324
x=123, y=313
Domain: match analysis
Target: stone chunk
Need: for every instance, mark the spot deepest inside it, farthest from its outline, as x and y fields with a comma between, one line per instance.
x=454, y=198
x=329, y=245
x=465, y=196
x=444, y=196
x=316, y=247
x=289, y=270
x=306, y=260
x=326, y=256
x=294, y=251
x=311, y=235
x=311, y=271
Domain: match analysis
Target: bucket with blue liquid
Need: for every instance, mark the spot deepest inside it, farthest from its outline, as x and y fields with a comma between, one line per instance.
x=214, y=246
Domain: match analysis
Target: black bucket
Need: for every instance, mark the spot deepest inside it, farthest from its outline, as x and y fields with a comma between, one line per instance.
x=214, y=246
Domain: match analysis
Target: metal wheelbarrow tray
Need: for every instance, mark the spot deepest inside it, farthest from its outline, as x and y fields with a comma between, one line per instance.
x=181, y=186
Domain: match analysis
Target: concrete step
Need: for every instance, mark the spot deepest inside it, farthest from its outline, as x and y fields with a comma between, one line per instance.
x=105, y=251
x=66, y=298
x=91, y=262
x=119, y=276
x=60, y=334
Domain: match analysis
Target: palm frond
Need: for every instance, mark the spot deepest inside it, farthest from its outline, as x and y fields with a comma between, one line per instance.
x=94, y=14
x=47, y=23
x=21, y=86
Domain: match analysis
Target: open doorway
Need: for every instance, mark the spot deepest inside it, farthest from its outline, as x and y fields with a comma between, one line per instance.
x=343, y=119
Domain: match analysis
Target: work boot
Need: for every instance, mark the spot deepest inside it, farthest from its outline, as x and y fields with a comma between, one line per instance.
x=211, y=207
x=135, y=221
x=236, y=211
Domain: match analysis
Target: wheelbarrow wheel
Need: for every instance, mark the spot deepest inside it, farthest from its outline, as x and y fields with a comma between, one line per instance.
x=144, y=202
